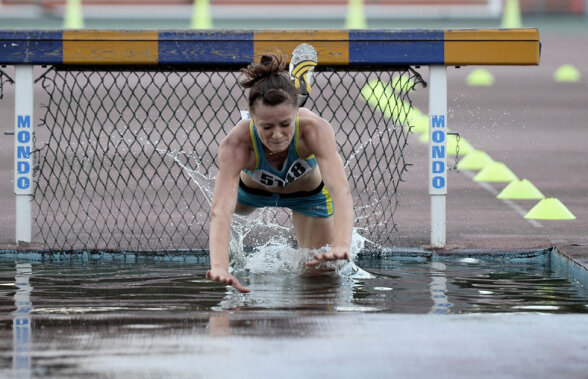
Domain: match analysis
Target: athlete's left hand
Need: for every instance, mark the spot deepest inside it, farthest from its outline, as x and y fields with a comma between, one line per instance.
x=331, y=255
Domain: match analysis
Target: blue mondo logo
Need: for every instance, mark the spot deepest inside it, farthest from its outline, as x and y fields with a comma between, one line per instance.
x=438, y=156
x=23, y=161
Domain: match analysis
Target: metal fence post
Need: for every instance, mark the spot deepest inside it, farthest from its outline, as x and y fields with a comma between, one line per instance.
x=23, y=147
x=438, y=153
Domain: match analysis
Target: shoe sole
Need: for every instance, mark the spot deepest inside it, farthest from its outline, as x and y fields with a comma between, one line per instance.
x=304, y=59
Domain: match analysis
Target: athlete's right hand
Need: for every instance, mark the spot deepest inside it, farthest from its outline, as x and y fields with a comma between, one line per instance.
x=225, y=277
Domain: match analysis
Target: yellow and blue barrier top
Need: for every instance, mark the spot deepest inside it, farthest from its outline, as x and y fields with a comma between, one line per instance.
x=386, y=47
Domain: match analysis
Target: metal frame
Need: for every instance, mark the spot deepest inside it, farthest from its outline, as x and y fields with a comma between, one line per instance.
x=437, y=153
x=23, y=146
x=436, y=49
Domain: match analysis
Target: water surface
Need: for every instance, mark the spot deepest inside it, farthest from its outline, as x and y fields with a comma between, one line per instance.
x=78, y=316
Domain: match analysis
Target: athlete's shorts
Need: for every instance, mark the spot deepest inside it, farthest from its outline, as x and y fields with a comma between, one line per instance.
x=315, y=203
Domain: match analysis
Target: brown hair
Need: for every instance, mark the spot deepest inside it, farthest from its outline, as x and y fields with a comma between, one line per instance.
x=269, y=82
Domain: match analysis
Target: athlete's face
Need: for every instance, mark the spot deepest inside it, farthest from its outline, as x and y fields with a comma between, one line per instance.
x=275, y=125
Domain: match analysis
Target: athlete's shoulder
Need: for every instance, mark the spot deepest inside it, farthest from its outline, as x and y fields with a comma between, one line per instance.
x=312, y=125
x=306, y=115
x=315, y=132
x=237, y=144
x=311, y=122
x=239, y=134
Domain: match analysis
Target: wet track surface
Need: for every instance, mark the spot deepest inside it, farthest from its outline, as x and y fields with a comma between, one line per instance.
x=97, y=318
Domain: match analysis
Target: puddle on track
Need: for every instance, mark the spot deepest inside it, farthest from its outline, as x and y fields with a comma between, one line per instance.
x=55, y=312
x=110, y=290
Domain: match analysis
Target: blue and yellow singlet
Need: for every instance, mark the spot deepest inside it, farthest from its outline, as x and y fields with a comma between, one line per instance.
x=294, y=167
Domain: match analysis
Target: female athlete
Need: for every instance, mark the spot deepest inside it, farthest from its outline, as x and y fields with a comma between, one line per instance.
x=285, y=156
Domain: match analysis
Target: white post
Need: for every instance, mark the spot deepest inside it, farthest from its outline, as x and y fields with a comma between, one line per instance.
x=23, y=146
x=438, y=153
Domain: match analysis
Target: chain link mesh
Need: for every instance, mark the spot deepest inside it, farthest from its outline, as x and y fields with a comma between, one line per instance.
x=128, y=160
x=4, y=79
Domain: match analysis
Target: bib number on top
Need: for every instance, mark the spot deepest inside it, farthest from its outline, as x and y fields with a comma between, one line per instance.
x=297, y=170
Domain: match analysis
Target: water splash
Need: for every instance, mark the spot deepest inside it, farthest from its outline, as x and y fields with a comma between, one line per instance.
x=277, y=255
x=241, y=226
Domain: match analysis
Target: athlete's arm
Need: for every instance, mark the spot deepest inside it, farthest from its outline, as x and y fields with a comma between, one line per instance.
x=321, y=141
x=232, y=158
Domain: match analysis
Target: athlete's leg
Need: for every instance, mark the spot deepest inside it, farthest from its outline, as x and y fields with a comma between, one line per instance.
x=313, y=232
x=243, y=210
x=248, y=202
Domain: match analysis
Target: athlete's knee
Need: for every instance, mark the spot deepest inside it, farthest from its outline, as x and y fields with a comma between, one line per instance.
x=243, y=210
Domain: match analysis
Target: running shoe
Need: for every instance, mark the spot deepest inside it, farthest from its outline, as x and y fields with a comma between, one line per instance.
x=304, y=59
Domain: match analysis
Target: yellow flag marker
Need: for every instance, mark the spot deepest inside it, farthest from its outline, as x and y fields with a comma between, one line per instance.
x=74, y=18
x=355, y=15
x=511, y=14
x=201, y=18
x=474, y=160
x=520, y=190
x=550, y=209
x=495, y=172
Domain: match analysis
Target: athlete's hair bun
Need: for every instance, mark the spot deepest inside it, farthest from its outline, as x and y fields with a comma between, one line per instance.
x=268, y=65
x=269, y=81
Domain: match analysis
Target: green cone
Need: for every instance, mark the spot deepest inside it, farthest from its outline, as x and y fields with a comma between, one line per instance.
x=401, y=82
x=550, y=209
x=567, y=73
x=520, y=190
x=421, y=124
x=480, y=77
x=495, y=172
x=378, y=96
x=464, y=146
x=475, y=160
